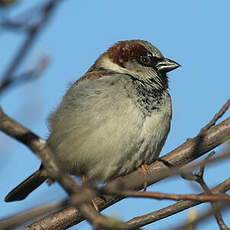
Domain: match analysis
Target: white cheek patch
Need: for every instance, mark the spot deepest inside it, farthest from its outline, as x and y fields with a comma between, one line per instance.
x=108, y=64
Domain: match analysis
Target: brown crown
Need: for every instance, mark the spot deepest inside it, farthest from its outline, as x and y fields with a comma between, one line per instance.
x=125, y=51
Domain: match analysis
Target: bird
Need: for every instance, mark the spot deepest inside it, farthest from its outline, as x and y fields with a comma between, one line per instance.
x=113, y=120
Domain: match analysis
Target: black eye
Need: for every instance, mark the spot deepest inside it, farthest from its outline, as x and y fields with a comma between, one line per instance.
x=149, y=60
x=145, y=60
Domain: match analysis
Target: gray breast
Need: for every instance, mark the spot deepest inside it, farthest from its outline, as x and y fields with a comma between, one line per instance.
x=100, y=130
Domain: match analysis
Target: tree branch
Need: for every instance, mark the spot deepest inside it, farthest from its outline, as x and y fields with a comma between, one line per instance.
x=175, y=208
x=33, y=33
x=177, y=197
x=18, y=219
x=187, y=152
x=55, y=172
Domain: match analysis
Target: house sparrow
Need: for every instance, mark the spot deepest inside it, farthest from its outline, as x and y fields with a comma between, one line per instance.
x=112, y=120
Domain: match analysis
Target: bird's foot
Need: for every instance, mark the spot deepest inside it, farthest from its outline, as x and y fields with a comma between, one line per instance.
x=144, y=169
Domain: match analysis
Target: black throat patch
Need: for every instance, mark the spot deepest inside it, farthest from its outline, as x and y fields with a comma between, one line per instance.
x=149, y=97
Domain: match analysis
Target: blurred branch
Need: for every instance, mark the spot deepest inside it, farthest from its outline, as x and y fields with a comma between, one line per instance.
x=176, y=197
x=213, y=137
x=187, y=152
x=207, y=139
x=175, y=208
x=18, y=219
x=216, y=210
x=55, y=172
x=4, y=3
x=192, y=217
x=84, y=195
x=199, y=178
x=32, y=34
x=14, y=25
x=37, y=145
x=199, y=219
x=27, y=76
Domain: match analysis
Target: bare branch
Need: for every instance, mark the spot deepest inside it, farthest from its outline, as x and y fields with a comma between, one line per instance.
x=216, y=117
x=175, y=208
x=199, y=219
x=177, y=197
x=38, y=146
x=190, y=150
x=20, y=218
x=27, y=76
x=24, y=49
x=216, y=210
x=199, y=178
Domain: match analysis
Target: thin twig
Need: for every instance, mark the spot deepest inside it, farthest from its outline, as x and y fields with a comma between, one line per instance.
x=55, y=172
x=216, y=211
x=216, y=117
x=8, y=125
x=18, y=219
x=84, y=195
x=175, y=208
x=200, y=179
x=23, y=50
x=199, y=219
x=177, y=197
x=35, y=73
x=135, y=181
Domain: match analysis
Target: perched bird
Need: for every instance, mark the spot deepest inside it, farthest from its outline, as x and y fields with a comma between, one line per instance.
x=114, y=119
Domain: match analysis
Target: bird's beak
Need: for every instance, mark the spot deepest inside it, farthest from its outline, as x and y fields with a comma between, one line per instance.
x=167, y=65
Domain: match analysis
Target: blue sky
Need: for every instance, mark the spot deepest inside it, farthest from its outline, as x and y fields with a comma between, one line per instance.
x=193, y=33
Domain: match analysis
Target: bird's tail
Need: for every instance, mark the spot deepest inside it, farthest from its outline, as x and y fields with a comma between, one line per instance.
x=26, y=187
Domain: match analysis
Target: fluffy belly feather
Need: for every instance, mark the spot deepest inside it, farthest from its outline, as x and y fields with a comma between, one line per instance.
x=113, y=141
x=120, y=151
